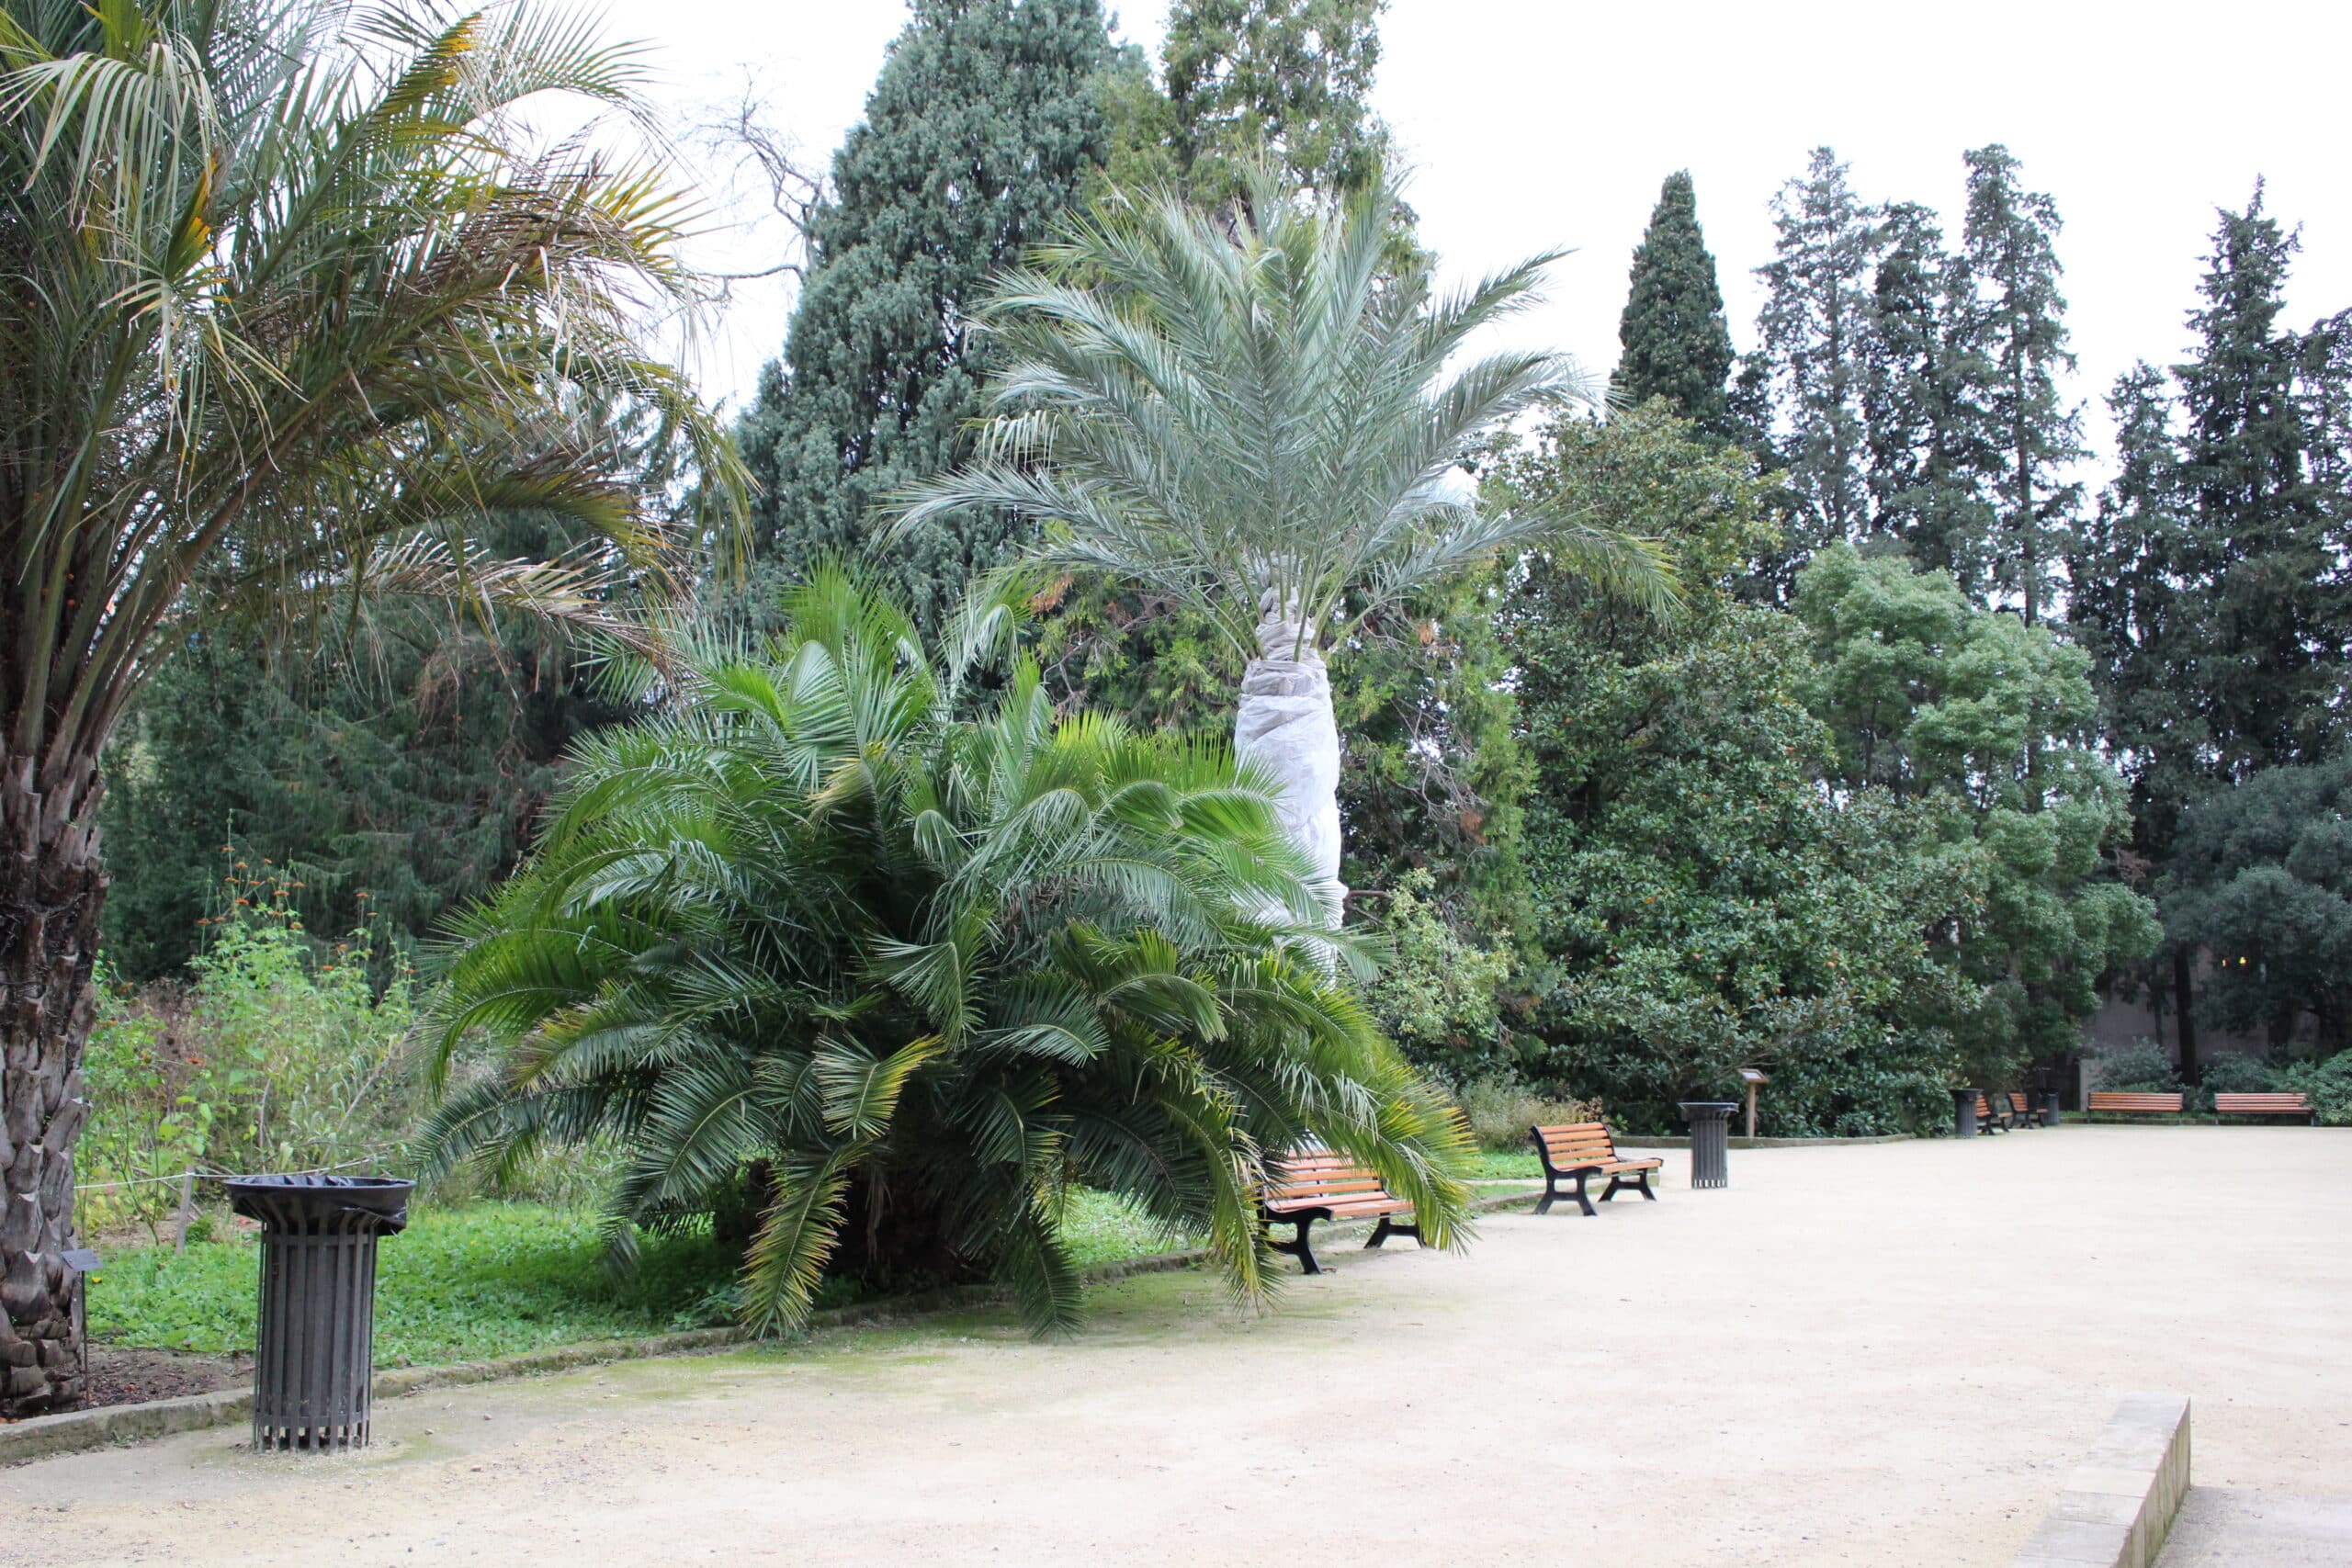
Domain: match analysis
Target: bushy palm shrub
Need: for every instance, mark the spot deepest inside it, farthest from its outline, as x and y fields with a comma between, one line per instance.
x=881, y=984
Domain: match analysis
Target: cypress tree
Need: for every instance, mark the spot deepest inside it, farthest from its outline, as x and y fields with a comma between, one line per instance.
x=982, y=130
x=1676, y=343
x=1815, y=329
x=2014, y=318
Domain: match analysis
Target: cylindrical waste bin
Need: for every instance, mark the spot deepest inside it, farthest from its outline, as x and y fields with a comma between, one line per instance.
x=2050, y=1108
x=313, y=1356
x=1964, y=1113
x=1710, y=1122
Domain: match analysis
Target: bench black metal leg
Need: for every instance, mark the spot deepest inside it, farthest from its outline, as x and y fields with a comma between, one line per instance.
x=1388, y=1227
x=1583, y=1199
x=1640, y=1183
x=1297, y=1246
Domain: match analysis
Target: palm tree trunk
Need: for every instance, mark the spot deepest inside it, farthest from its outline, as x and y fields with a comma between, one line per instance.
x=52, y=888
x=1283, y=723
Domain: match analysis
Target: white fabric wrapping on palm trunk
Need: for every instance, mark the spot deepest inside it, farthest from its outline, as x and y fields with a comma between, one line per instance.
x=1284, y=724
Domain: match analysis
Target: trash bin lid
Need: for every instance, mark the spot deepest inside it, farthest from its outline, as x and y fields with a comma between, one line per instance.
x=279, y=1200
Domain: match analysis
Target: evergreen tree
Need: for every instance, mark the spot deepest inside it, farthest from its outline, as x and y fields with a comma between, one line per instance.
x=1815, y=329
x=1918, y=370
x=2209, y=586
x=1290, y=78
x=2266, y=531
x=1986, y=729
x=1676, y=345
x=2014, y=318
x=983, y=129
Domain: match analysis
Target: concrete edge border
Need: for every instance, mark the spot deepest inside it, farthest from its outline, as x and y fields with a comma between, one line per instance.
x=41, y=1436
x=2120, y=1503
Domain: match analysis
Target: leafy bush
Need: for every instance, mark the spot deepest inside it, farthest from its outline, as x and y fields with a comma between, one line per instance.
x=1501, y=1110
x=2327, y=1084
x=2229, y=1072
x=1437, y=991
x=274, y=1056
x=2140, y=1068
x=810, y=946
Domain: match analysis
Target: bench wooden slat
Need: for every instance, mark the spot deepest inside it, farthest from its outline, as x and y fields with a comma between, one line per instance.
x=2132, y=1101
x=2264, y=1104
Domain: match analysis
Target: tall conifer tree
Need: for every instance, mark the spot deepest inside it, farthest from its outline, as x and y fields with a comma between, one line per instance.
x=1676, y=343
x=2013, y=318
x=1815, y=330
x=980, y=132
x=1290, y=78
x=1918, y=370
x=2209, y=585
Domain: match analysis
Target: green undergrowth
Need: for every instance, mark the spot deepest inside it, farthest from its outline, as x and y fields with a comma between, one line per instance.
x=495, y=1279
x=1495, y=1165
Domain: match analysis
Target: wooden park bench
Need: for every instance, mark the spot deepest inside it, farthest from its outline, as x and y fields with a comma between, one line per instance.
x=1988, y=1119
x=1584, y=1150
x=2264, y=1105
x=2021, y=1111
x=1315, y=1184
x=2121, y=1102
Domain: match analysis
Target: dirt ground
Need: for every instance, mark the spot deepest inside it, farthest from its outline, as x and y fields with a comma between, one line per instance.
x=1884, y=1355
x=121, y=1375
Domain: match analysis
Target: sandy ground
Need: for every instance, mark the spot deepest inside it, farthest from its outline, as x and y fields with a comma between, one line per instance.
x=1881, y=1354
x=2222, y=1529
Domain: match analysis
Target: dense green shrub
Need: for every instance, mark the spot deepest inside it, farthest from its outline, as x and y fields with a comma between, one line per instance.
x=1500, y=1110
x=1437, y=995
x=2140, y=1068
x=2328, y=1083
x=2231, y=1072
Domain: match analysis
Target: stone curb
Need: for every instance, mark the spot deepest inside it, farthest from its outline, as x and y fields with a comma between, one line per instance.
x=41, y=1436
x=2120, y=1503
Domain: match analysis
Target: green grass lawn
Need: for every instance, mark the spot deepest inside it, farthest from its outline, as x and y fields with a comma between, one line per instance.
x=1491, y=1164
x=493, y=1279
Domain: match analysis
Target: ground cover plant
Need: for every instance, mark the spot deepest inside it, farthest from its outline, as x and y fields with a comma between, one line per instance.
x=496, y=1279
x=870, y=985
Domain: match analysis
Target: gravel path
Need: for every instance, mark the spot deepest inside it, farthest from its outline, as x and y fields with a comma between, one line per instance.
x=1877, y=1355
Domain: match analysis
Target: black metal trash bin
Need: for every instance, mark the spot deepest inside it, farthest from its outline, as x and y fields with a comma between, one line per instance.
x=1710, y=1122
x=313, y=1356
x=1964, y=1113
x=2050, y=1112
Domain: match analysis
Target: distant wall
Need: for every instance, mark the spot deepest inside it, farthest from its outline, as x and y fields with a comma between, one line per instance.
x=2118, y=1024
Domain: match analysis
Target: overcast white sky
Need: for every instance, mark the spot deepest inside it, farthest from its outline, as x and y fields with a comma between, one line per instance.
x=1538, y=123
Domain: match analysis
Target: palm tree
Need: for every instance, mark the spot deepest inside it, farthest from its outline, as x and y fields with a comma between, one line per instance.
x=906, y=980
x=1253, y=413
x=292, y=302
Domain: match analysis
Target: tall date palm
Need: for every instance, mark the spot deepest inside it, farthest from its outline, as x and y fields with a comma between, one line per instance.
x=904, y=980
x=1254, y=413
x=292, y=302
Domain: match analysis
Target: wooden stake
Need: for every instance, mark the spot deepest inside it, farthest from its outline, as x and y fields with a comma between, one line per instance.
x=188, y=1209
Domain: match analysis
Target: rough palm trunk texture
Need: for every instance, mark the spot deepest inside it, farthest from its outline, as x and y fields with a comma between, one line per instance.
x=1284, y=724
x=49, y=920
